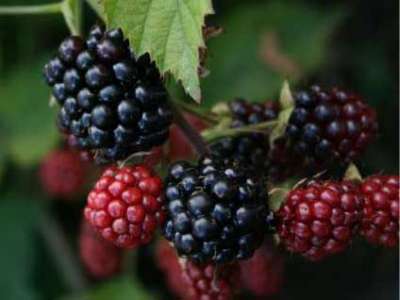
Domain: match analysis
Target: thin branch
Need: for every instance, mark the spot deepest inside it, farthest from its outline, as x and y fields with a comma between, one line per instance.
x=31, y=9
x=216, y=133
x=192, y=134
x=207, y=116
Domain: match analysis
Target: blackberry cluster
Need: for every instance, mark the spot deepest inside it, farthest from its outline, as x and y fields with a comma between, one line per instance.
x=320, y=219
x=216, y=210
x=328, y=125
x=251, y=149
x=111, y=101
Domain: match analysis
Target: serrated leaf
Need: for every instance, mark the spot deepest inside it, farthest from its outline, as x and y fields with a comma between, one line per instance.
x=27, y=124
x=170, y=30
x=123, y=288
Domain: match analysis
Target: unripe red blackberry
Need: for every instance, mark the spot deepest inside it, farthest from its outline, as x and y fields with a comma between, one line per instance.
x=100, y=258
x=62, y=174
x=251, y=149
x=210, y=281
x=380, y=220
x=263, y=274
x=167, y=260
x=319, y=219
x=330, y=125
x=113, y=102
x=217, y=210
x=126, y=205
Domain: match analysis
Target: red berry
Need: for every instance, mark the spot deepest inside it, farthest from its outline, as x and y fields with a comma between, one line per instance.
x=320, y=219
x=196, y=282
x=126, y=205
x=167, y=261
x=380, y=220
x=263, y=273
x=210, y=281
x=100, y=258
x=62, y=173
x=179, y=146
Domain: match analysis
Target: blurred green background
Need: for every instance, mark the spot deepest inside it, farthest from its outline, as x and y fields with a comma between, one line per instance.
x=352, y=43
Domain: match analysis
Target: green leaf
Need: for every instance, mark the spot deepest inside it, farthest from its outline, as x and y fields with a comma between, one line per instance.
x=27, y=124
x=97, y=6
x=124, y=288
x=170, y=30
x=264, y=43
x=17, y=252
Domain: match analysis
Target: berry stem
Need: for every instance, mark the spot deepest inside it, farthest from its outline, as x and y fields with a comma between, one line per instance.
x=216, y=133
x=62, y=253
x=192, y=134
x=195, y=110
x=31, y=9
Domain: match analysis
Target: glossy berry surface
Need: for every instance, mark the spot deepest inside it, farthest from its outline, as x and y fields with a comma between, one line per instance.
x=113, y=102
x=251, y=149
x=126, y=205
x=62, y=173
x=100, y=258
x=320, y=219
x=263, y=274
x=210, y=281
x=216, y=210
x=330, y=125
x=380, y=221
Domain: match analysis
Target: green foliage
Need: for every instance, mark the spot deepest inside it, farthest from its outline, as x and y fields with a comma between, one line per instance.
x=124, y=288
x=17, y=252
x=263, y=44
x=170, y=30
x=26, y=121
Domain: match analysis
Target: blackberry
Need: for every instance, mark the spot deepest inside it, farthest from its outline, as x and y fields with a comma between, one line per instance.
x=216, y=210
x=320, y=219
x=100, y=258
x=112, y=101
x=251, y=149
x=329, y=125
x=380, y=221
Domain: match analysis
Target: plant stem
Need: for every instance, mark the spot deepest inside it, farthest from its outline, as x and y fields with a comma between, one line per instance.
x=31, y=9
x=207, y=116
x=216, y=133
x=192, y=134
x=62, y=253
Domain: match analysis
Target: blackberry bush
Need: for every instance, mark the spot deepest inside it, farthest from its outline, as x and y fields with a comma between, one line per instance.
x=217, y=210
x=112, y=101
x=327, y=125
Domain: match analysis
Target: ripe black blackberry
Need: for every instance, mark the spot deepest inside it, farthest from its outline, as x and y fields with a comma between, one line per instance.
x=251, y=149
x=329, y=125
x=217, y=210
x=113, y=102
